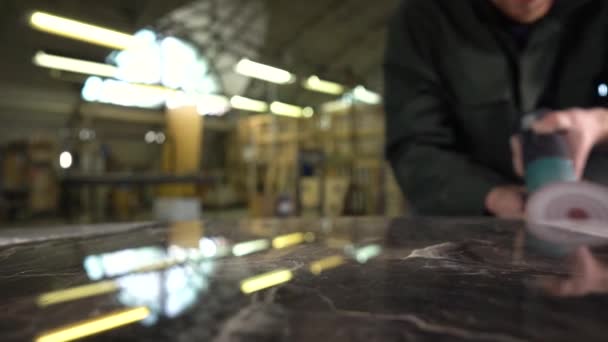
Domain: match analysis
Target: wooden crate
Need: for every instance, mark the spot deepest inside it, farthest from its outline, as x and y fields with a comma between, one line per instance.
x=335, y=191
x=271, y=129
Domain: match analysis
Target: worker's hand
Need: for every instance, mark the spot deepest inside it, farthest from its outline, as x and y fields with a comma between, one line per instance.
x=584, y=128
x=506, y=202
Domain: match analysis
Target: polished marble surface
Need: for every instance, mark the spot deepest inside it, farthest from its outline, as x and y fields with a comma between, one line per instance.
x=368, y=279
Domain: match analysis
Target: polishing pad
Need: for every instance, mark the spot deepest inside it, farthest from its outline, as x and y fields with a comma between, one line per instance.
x=569, y=214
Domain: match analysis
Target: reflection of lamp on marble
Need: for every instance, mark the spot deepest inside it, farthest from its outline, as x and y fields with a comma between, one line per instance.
x=320, y=266
x=264, y=281
x=76, y=293
x=250, y=247
x=95, y=326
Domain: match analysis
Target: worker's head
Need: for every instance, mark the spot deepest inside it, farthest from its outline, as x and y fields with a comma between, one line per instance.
x=524, y=11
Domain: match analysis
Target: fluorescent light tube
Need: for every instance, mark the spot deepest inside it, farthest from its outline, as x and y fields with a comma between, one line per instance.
x=45, y=60
x=263, y=72
x=81, y=31
x=314, y=83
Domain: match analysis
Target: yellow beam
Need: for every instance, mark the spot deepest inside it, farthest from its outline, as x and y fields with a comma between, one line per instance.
x=75, y=293
x=265, y=281
x=95, y=326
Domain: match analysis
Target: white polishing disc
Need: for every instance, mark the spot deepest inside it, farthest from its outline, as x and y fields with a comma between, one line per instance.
x=569, y=214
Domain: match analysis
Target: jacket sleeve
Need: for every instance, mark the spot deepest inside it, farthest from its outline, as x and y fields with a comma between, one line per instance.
x=432, y=168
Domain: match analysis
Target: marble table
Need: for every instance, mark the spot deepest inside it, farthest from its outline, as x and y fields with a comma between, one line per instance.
x=367, y=279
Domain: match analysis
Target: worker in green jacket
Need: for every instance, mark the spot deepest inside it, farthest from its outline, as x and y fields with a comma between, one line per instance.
x=459, y=75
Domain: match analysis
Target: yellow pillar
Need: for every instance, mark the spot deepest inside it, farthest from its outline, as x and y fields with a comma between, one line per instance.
x=182, y=151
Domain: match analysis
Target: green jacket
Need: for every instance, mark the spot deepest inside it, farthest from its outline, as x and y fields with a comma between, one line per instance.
x=457, y=83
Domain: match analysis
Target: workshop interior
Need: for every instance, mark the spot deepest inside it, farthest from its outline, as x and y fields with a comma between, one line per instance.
x=124, y=111
x=303, y=170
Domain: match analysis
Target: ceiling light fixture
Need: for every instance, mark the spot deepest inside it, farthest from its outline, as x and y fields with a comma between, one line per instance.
x=65, y=160
x=243, y=103
x=366, y=96
x=211, y=104
x=79, y=66
x=81, y=31
x=125, y=94
x=280, y=108
x=314, y=83
x=264, y=72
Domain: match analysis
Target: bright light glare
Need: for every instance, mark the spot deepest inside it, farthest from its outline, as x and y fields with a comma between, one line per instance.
x=180, y=99
x=602, y=90
x=46, y=60
x=65, y=160
x=213, y=105
x=124, y=93
x=314, y=83
x=366, y=96
x=284, y=109
x=243, y=103
x=80, y=31
x=95, y=326
x=141, y=63
x=178, y=62
x=208, y=247
x=86, y=134
x=264, y=72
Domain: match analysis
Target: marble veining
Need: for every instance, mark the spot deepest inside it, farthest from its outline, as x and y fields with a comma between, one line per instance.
x=373, y=279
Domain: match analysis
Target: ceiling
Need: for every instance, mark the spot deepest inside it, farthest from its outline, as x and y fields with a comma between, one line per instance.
x=341, y=40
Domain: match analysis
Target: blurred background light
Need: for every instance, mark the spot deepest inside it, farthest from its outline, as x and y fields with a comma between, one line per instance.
x=81, y=31
x=180, y=67
x=125, y=94
x=285, y=109
x=337, y=106
x=213, y=105
x=308, y=112
x=49, y=61
x=179, y=99
x=314, y=83
x=208, y=247
x=150, y=137
x=263, y=72
x=364, y=254
x=65, y=160
x=243, y=103
x=364, y=95
x=160, y=138
x=140, y=63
